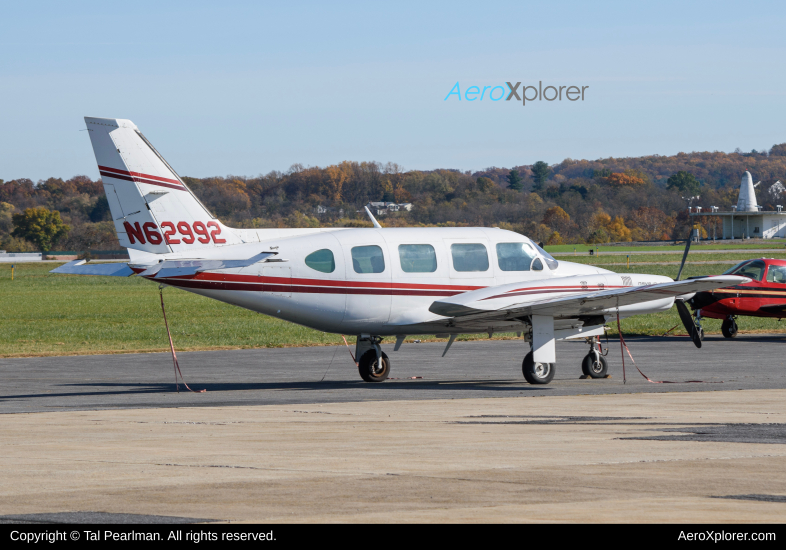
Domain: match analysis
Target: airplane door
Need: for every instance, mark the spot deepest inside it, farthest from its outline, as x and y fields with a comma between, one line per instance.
x=369, y=280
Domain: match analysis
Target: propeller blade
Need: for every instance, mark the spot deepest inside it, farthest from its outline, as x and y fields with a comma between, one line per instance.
x=685, y=255
x=687, y=320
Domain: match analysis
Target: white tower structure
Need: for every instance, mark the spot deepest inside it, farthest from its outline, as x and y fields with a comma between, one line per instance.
x=747, y=199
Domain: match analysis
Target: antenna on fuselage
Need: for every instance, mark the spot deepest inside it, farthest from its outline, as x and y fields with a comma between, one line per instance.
x=375, y=222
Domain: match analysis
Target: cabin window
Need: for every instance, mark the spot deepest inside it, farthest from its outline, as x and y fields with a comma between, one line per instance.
x=469, y=257
x=321, y=260
x=753, y=270
x=515, y=256
x=776, y=274
x=417, y=258
x=368, y=259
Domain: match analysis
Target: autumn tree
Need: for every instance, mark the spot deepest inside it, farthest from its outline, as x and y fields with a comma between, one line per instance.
x=6, y=212
x=484, y=184
x=624, y=179
x=778, y=150
x=40, y=226
x=556, y=218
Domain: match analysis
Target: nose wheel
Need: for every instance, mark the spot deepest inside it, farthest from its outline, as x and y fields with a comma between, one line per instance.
x=594, y=367
x=373, y=369
x=594, y=364
x=729, y=327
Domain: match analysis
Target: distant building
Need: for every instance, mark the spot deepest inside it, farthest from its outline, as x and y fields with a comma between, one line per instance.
x=381, y=208
x=747, y=219
x=325, y=209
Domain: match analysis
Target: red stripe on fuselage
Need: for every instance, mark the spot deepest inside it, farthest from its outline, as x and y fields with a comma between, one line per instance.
x=297, y=289
x=232, y=277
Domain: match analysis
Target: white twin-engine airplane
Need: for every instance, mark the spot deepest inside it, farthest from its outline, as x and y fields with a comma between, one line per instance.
x=367, y=282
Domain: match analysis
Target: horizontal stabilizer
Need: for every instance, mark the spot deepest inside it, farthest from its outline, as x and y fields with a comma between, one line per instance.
x=81, y=267
x=184, y=268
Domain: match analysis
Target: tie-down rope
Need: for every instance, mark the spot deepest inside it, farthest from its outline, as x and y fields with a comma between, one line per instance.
x=623, y=344
x=172, y=347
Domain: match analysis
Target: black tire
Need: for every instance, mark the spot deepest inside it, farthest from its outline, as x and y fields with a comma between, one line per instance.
x=369, y=370
x=537, y=373
x=729, y=328
x=593, y=369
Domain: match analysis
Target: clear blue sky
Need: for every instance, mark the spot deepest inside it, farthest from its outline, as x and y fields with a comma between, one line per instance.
x=248, y=87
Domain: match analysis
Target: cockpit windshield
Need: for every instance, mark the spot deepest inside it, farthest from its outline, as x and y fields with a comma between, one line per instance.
x=550, y=261
x=751, y=269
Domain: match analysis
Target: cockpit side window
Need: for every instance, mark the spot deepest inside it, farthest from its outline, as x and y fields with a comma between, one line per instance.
x=776, y=274
x=550, y=261
x=322, y=260
x=753, y=270
x=515, y=256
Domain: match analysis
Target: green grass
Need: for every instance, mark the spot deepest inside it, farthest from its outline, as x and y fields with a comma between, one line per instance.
x=46, y=314
x=730, y=258
x=584, y=248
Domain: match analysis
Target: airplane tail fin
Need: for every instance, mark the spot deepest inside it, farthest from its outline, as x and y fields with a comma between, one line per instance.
x=153, y=209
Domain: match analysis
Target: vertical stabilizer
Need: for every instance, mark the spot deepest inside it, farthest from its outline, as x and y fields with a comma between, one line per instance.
x=152, y=208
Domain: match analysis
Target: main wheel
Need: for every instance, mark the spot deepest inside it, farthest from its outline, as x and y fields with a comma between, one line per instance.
x=369, y=367
x=593, y=368
x=729, y=328
x=701, y=333
x=537, y=373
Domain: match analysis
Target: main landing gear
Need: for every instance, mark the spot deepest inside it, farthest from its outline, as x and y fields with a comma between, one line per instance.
x=594, y=364
x=729, y=327
x=537, y=373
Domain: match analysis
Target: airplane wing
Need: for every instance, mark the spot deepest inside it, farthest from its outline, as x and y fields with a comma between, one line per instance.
x=502, y=303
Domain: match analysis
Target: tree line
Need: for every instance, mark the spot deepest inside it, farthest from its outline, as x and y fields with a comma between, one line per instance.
x=574, y=201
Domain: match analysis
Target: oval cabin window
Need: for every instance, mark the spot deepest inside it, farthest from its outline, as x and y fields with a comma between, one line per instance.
x=322, y=260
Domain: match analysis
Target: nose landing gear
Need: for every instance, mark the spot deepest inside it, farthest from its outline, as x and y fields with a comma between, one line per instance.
x=373, y=363
x=594, y=364
x=729, y=327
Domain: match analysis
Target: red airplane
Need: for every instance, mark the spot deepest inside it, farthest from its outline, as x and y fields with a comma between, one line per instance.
x=764, y=296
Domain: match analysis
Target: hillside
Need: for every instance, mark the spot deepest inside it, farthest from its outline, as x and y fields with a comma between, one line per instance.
x=575, y=201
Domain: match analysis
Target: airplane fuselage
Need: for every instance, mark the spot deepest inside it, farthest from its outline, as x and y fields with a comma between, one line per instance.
x=383, y=281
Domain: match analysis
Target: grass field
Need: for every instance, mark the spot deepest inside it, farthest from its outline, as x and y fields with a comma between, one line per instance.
x=46, y=314
x=719, y=245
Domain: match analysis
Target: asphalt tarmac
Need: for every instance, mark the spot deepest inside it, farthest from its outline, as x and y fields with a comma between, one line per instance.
x=480, y=369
